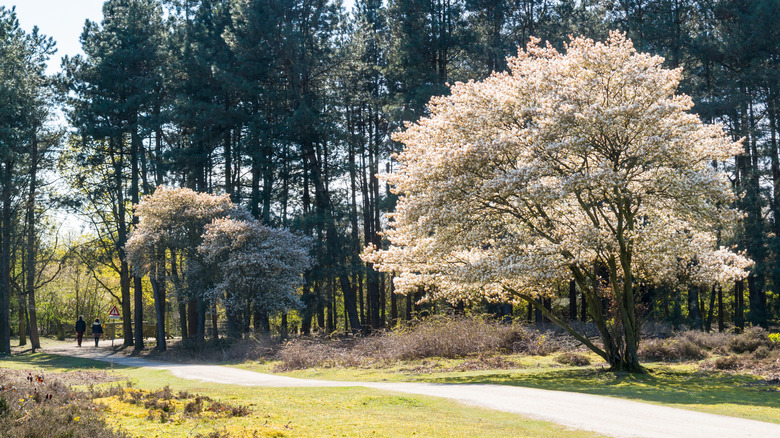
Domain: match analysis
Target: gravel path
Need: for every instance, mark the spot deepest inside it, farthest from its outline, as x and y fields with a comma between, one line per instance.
x=605, y=415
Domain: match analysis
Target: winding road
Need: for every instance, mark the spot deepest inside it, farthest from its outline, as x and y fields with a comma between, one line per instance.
x=605, y=415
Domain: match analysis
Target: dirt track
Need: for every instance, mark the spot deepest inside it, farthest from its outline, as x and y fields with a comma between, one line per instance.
x=604, y=415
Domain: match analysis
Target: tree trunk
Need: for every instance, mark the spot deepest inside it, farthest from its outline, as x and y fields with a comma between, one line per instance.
x=694, y=312
x=182, y=304
x=234, y=318
x=393, y=303
x=192, y=318
x=757, y=300
x=739, y=318
x=32, y=247
x=721, y=325
x=135, y=148
x=5, y=261
x=158, y=290
x=772, y=115
x=215, y=326
x=201, y=308
x=572, y=300
x=349, y=303
x=711, y=310
x=262, y=324
x=124, y=271
x=22, y=301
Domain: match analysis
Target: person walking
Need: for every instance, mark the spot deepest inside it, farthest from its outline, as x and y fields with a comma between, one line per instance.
x=97, y=330
x=81, y=327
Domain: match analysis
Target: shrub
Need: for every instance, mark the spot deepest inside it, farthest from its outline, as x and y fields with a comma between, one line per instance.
x=302, y=354
x=453, y=337
x=727, y=363
x=712, y=341
x=762, y=352
x=249, y=348
x=750, y=340
x=163, y=404
x=675, y=349
x=572, y=359
x=447, y=337
x=656, y=329
x=42, y=406
x=194, y=407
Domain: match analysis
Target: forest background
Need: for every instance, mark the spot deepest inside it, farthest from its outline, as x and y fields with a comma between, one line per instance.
x=287, y=107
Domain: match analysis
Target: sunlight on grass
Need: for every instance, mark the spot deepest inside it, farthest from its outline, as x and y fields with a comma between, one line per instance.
x=299, y=412
x=681, y=386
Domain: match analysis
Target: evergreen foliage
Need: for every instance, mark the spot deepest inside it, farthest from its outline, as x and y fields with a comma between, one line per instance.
x=288, y=106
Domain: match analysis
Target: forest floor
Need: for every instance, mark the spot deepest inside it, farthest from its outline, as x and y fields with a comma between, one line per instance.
x=560, y=396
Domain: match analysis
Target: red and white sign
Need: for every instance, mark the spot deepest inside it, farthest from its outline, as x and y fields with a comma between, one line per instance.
x=114, y=313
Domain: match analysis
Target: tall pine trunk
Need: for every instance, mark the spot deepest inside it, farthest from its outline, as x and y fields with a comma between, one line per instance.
x=32, y=247
x=135, y=147
x=5, y=260
x=115, y=153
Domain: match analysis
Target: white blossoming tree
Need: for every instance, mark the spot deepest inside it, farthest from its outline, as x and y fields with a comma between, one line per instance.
x=254, y=264
x=164, y=245
x=583, y=166
x=213, y=250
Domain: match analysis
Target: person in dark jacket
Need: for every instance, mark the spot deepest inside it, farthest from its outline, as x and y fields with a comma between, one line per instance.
x=81, y=327
x=97, y=330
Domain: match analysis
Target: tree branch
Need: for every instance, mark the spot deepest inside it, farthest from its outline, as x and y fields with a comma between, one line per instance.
x=580, y=337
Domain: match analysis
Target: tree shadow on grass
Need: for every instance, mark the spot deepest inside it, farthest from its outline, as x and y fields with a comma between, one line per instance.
x=45, y=360
x=661, y=385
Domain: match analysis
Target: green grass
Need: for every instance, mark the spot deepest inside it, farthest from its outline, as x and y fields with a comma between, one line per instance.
x=681, y=386
x=302, y=412
x=51, y=363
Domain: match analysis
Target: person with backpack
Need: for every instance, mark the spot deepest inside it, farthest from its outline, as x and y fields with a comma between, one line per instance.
x=97, y=330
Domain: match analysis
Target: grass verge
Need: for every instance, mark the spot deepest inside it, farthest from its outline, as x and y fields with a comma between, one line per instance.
x=676, y=385
x=293, y=412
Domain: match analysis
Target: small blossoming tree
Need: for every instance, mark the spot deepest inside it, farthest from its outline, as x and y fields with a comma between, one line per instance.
x=583, y=166
x=254, y=264
x=164, y=245
x=212, y=250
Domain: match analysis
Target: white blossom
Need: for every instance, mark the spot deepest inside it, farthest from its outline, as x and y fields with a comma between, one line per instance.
x=565, y=162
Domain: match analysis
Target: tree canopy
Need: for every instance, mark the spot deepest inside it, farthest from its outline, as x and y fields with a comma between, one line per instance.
x=584, y=165
x=228, y=256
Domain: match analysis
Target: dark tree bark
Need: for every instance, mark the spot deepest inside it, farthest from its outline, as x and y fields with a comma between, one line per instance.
x=739, y=316
x=116, y=155
x=32, y=247
x=5, y=259
x=135, y=149
x=694, y=311
x=572, y=300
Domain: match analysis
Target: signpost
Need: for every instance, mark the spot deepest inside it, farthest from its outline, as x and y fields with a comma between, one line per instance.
x=113, y=315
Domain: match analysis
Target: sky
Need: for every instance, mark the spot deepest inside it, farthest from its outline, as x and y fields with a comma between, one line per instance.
x=62, y=20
